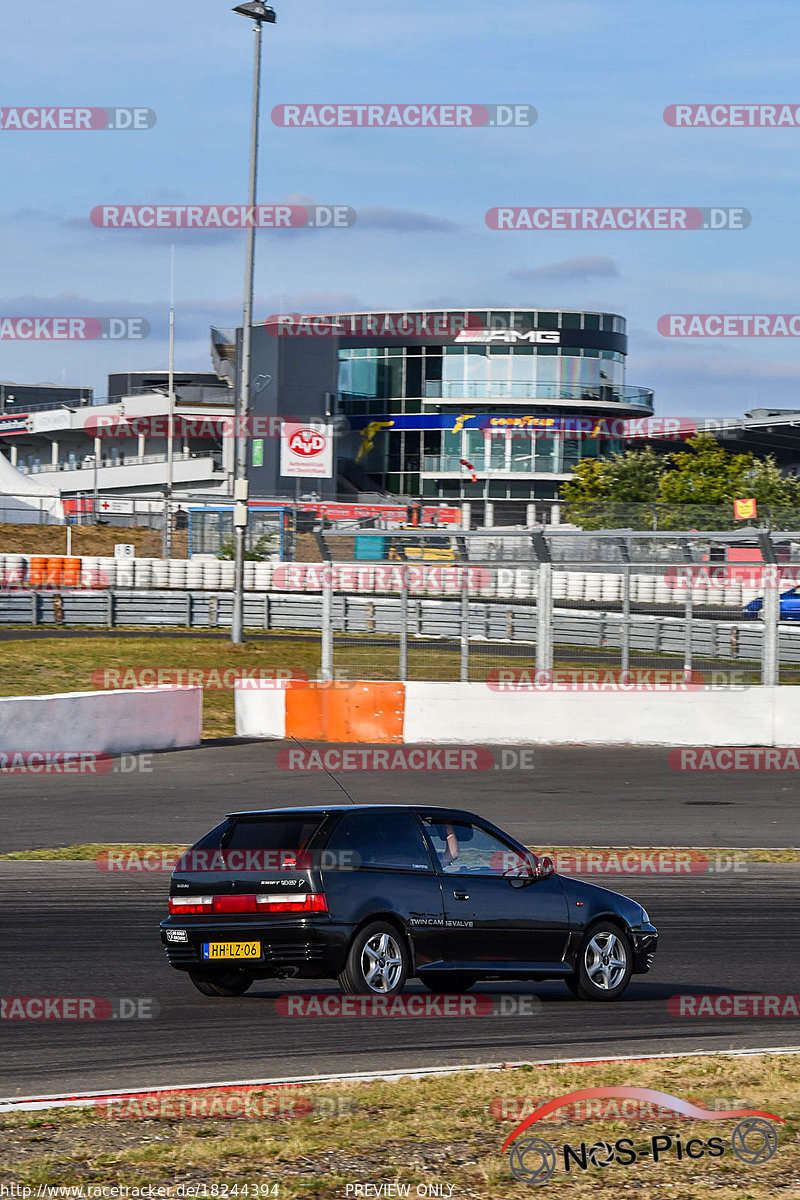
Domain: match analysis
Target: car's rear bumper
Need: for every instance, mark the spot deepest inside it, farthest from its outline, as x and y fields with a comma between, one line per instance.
x=311, y=947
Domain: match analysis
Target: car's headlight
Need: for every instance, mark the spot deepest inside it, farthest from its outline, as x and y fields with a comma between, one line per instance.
x=645, y=917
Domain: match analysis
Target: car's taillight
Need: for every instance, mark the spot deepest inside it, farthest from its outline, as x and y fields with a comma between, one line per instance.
x=293, y=902
x=191, y=904
x=249, y=903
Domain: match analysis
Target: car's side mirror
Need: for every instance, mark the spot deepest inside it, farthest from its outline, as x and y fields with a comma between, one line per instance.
x=546, y=867
x=532, y=870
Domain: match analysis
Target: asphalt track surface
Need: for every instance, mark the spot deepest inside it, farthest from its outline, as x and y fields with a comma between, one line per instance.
x=76, y=931
x=572, y=796
x=70, y=929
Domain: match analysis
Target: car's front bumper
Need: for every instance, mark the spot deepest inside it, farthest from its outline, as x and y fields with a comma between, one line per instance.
x=645, y=944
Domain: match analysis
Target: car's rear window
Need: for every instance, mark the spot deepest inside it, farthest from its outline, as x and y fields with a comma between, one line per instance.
x=266, y=833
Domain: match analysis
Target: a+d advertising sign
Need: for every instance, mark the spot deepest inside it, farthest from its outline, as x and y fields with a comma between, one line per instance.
x=307, y=450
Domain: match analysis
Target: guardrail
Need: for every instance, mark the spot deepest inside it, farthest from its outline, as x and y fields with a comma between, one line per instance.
x=488, y=620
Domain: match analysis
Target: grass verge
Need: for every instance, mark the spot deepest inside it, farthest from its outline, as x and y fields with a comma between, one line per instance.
x=43, y=666
x=446, y=1131
x=46, y=666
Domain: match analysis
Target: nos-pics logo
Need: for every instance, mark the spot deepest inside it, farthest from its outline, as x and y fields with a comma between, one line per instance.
x=533, y=1160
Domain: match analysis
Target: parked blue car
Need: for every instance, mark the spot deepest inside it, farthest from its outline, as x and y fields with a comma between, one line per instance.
x=790, y=606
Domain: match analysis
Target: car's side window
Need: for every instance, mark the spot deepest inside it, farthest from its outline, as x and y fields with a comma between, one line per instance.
x=463, y=848
x=373, y=839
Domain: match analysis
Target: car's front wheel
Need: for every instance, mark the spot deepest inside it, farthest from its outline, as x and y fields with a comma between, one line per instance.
x=378, y=962
x=227, y=983
x=605, y=964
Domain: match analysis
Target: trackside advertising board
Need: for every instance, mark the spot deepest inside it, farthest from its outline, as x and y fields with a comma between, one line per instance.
x=307, y=450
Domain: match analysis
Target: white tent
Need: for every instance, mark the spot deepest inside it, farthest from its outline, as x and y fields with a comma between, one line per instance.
x=24, y=501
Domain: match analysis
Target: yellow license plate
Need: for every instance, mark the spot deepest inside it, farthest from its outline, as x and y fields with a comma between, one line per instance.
x=232, y=950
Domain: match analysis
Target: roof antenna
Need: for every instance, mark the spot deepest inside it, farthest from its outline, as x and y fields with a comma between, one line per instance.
x=327, y=772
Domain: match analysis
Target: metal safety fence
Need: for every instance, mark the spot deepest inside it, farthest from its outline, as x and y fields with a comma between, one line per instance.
x=457, y=634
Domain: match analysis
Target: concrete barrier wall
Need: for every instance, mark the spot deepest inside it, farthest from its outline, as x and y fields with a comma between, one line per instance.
x=259, y=713
x=468, y=713
x=118, y=722
x=464, y=712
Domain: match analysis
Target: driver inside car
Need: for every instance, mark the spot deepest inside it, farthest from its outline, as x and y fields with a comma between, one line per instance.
x=451, y=846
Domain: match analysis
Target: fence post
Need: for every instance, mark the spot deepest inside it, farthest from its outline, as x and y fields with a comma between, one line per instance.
x=464, y=671
x=687, y=637
x=404, y=625
x=544, y=618
x=326, y=663
x=769, y=644
x=625, y=631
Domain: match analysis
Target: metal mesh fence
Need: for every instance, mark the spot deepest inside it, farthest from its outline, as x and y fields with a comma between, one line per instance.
x=503, y=607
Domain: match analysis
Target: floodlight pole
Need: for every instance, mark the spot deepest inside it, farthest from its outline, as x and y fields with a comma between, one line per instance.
x=260, y=12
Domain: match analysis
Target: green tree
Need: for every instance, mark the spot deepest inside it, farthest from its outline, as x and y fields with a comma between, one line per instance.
x=692, y=488
x=705, y=474
x=602, y=490
x=769, y=486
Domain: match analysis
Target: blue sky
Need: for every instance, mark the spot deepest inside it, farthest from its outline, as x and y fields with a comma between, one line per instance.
x=599, y=75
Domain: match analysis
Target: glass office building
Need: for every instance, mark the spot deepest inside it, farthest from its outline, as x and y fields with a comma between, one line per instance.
x=487, y=412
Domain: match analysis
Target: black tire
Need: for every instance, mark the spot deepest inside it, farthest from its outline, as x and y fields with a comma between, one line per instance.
x=226, y=983
x=605, y=964
x=378, y=943
x=445, y=982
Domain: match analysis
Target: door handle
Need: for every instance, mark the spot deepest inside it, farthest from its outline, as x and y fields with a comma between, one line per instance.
x=461, y=895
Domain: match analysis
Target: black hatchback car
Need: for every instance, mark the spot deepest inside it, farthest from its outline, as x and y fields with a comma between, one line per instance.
x=375, y=894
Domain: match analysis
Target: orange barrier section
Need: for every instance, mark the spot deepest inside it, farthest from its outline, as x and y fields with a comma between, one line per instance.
x=54, y=572
x=355, y=711
x=37, y=571
x=72, y=572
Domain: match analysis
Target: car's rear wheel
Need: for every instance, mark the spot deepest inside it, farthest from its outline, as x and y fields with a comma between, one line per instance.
x=225, y=983
x=605, y=964
x=447, y=981
x=378, y=962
